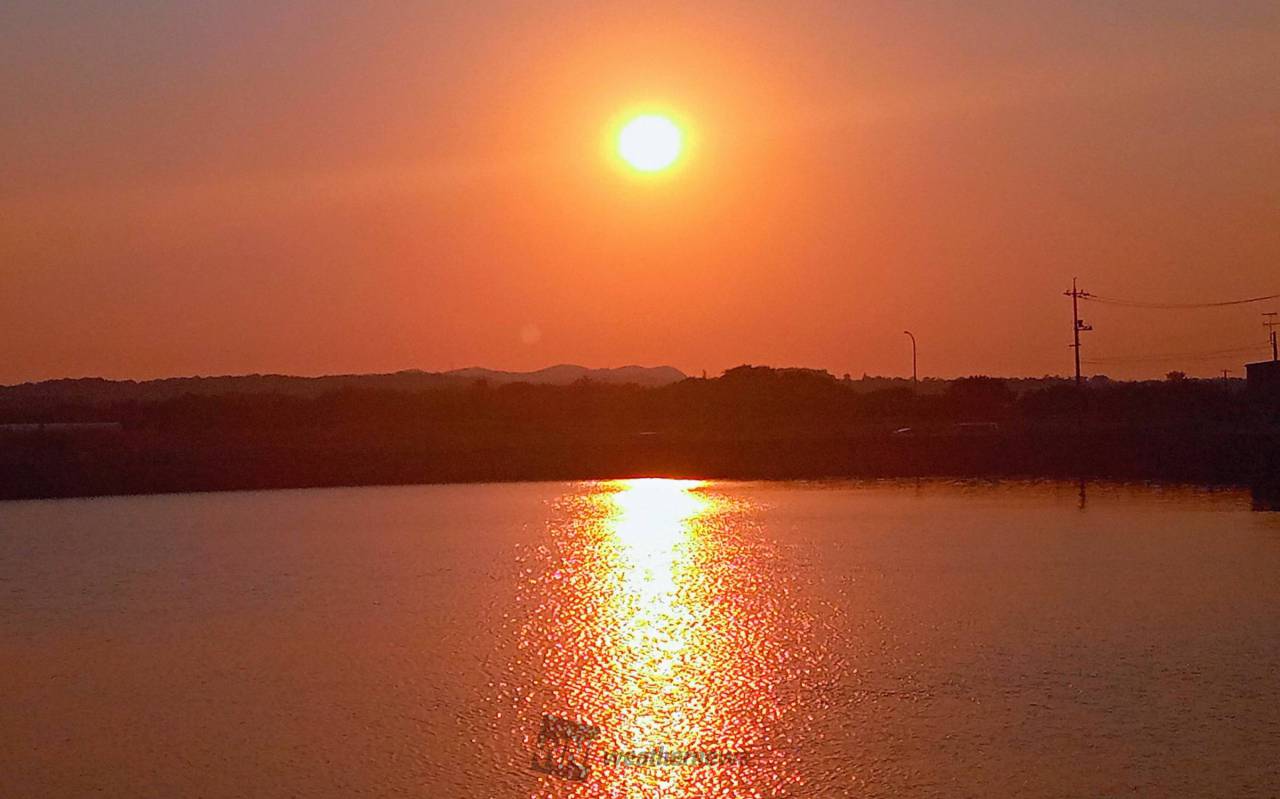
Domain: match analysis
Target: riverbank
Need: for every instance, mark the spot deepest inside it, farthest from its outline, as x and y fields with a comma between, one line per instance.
x=98, y=463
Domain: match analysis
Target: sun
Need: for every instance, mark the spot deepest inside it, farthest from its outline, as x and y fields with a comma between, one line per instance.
x=650, y=142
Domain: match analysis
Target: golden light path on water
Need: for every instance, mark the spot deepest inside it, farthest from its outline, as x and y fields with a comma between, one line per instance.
x=668, y=655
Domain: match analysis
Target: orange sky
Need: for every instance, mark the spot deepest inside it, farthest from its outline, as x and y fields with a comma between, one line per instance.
x=189, y=189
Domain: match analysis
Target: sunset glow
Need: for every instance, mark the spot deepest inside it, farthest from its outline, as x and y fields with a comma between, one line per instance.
x=937, y=167
x=627, y=400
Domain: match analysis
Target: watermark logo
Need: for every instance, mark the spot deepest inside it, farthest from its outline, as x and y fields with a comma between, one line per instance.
x=564, y=748
x=660, y=756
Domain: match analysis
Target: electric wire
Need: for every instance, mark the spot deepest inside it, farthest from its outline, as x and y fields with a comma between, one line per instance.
x=1174, y=356
x=1172, y=305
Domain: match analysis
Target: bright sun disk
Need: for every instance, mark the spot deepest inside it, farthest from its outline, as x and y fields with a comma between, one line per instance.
x=650, y=143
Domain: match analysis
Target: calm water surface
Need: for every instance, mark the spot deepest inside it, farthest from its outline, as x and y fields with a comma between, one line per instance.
x=646, y=638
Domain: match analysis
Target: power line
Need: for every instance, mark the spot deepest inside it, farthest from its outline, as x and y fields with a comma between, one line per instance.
x=1219, y=351
x=1169, y=359
x=1172, y=305
x=1078, y=325
x=1174, y=356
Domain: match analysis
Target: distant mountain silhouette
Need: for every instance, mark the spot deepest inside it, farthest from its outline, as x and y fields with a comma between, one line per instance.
x=96, y=390
x=565, y=374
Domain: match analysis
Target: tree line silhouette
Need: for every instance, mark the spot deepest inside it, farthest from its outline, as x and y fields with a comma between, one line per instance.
x=752, y=422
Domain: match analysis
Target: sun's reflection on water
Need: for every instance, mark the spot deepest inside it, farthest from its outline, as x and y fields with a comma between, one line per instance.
x=662, y=620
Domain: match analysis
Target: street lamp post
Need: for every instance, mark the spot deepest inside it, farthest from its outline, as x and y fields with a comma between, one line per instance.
x=914, y=378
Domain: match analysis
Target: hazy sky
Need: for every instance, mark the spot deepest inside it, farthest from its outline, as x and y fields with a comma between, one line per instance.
x=212, y=188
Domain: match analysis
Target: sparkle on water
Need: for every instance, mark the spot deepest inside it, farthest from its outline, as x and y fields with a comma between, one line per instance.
x=664, y=624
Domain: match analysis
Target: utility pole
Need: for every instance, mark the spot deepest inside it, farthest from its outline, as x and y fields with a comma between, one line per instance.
x=1270, y=325
x=915, y=378
x=1225, y=372
x=1077, y=325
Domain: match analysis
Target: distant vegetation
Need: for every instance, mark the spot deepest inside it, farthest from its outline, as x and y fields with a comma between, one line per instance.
x=262, y=432
x=97, y=391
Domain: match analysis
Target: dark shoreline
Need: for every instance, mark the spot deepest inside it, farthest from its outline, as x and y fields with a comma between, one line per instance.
x=753, y=423
x=60, y=465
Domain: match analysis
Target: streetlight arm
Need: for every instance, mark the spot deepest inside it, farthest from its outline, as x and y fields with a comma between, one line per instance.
x=914, y=377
